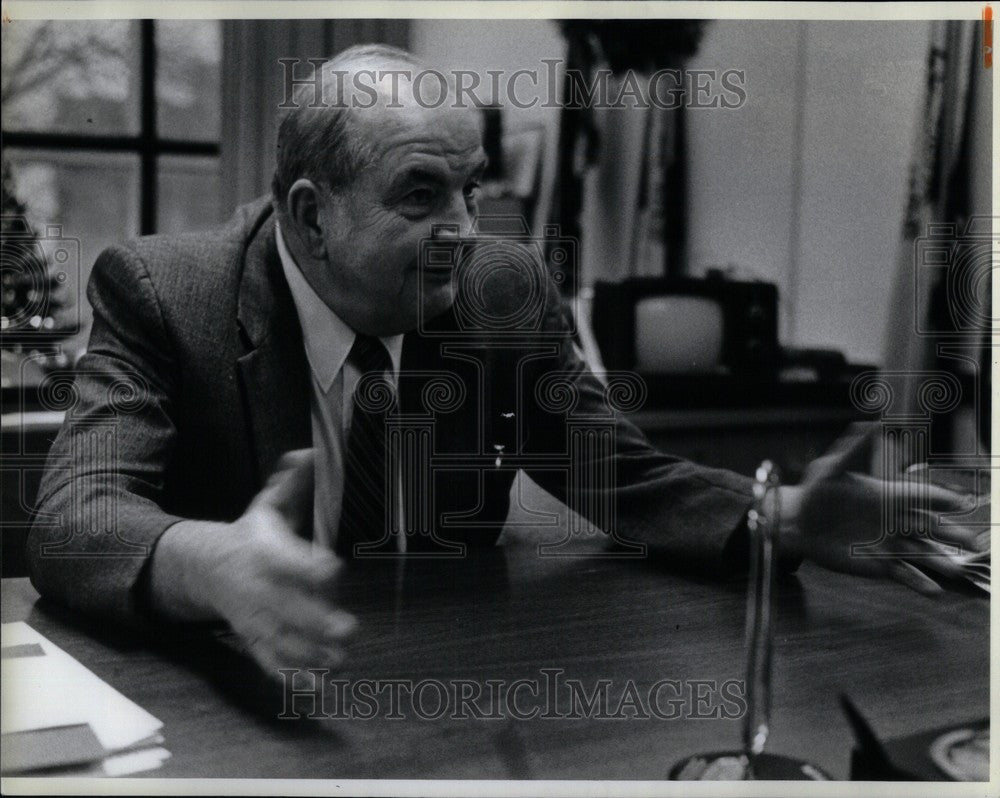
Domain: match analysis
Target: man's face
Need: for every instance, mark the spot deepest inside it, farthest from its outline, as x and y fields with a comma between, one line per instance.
x=425, y=172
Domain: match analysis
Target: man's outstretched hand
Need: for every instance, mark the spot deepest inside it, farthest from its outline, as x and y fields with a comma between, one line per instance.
x=836, y=518
x=271, y=585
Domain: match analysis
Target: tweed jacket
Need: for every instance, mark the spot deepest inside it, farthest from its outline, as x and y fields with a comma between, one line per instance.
x=195, y=381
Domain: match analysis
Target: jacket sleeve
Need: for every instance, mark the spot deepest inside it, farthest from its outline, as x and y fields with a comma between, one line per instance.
x=598, y=463
x=98, y=513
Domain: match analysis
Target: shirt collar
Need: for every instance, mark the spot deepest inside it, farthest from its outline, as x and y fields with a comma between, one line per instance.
x=328, y=339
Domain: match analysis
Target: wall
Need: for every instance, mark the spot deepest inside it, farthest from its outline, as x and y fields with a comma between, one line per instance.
x=741, y=160
x=827, y=233
x=804, y=185
x=505, y=44
x=253, y=91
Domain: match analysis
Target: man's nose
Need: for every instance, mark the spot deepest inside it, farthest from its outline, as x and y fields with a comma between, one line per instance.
x=455, y=222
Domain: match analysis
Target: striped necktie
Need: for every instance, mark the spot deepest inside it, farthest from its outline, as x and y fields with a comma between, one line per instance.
x=368, y=487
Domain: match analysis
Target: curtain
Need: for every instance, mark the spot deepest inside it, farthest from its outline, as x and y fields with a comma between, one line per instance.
x=939, y=325
x=253, y=83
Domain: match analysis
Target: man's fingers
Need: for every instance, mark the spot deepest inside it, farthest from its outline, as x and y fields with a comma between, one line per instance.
x=299, y=648
x=267, y=660
x=287, y=462
x=297, y=563
x=930, y=556
x=290, y=488
x=913, y=578
x=272, y=661
x=301, y=651
x=930, y=527
x=967, y=538
x=318, y=621
x=309, y=638
x=925, y=508
x=848, y=453
x=941, y=498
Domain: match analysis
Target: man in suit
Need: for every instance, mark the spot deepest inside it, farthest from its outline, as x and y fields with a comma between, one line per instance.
x=227, y=446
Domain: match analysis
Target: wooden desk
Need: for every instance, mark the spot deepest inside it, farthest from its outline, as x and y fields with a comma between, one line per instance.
x=909, y=663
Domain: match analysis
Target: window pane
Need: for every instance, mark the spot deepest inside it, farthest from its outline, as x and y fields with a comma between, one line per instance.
x=189, y=193
x=188, y=79
x=93, y=197
x=71, y=76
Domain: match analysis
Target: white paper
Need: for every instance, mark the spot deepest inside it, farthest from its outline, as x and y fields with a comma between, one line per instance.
x=55, y=690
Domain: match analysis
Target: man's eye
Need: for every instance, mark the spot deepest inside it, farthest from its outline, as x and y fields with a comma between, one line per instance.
x=471, y=189
x=421, y=196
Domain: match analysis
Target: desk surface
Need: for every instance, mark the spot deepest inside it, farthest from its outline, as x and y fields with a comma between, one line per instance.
x=909, y=663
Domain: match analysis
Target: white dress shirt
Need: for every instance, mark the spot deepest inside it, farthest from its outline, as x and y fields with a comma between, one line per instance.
x=328, y=341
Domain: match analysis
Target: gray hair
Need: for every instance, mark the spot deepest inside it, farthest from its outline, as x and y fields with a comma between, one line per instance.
x=320, y=143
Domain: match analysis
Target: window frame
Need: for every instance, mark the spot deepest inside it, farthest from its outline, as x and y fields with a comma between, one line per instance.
x=147, y=144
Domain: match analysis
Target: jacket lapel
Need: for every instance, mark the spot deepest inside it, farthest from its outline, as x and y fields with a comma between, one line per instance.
x=273, y=371
x=423, y=359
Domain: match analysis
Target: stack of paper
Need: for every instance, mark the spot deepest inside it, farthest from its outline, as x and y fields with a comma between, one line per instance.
x=58, y=717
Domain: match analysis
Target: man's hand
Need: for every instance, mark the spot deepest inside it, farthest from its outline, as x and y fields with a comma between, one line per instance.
x=836, y=512
x=274, y=588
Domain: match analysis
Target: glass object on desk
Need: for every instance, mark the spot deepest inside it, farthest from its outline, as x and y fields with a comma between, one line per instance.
x=760, y=642
x=964, y=754
x=752, y=763
x=71, y=76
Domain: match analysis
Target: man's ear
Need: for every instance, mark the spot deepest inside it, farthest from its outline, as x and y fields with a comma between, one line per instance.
x=305, y=203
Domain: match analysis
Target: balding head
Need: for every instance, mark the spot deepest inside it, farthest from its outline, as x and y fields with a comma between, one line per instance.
x=382, y=161
x=327, y=135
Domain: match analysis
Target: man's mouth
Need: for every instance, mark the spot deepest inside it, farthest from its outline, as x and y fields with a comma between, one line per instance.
x=439, y=275
x=437, y=272
x=439, y=263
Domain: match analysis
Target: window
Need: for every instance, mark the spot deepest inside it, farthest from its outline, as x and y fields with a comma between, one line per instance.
x=112, y=128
